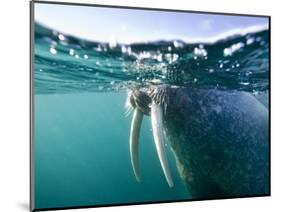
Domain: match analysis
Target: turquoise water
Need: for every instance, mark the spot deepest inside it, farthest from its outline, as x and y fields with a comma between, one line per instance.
x=82, y=154
x=81, y=139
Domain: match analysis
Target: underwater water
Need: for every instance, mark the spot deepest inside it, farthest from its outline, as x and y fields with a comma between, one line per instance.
x=81, y=135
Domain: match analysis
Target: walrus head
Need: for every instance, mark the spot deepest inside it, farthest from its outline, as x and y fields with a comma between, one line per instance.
x=151, y=101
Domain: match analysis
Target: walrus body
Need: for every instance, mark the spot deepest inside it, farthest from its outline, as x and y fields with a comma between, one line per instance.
x=219, y=138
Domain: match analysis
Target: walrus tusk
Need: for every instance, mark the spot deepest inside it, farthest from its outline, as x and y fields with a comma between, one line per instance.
x=157, y=129
x=134, y=141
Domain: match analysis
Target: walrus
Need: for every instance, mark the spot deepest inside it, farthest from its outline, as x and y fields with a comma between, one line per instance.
x=220, y=138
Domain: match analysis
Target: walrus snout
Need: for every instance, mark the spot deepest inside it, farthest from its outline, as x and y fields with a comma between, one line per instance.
x=141, y=100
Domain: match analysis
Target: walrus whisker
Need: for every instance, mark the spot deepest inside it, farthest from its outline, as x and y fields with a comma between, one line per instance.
x=128, y=111
x=134, y=141
x=157, y=129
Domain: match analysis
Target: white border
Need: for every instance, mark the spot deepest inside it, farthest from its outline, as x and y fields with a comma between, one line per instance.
x=14, y=113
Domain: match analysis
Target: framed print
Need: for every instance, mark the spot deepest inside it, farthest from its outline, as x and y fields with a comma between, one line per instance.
x=139, y=105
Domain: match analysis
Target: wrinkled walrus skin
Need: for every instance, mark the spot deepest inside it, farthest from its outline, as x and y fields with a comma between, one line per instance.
x=220, y=140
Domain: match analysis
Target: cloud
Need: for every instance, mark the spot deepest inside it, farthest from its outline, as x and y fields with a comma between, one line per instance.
x=236, y=31
x=125, y=39
x=207, y=24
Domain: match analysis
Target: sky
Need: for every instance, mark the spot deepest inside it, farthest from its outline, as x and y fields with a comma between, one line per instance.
x=131, y=25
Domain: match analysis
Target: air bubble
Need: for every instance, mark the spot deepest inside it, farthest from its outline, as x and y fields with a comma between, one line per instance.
x=200, y=52
x=53, y=50
x=244, y=83
x=61, y=37
x=71, y=52
x=250, y=41
x=98, y=48
x=178, y=44
x=232, y=49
